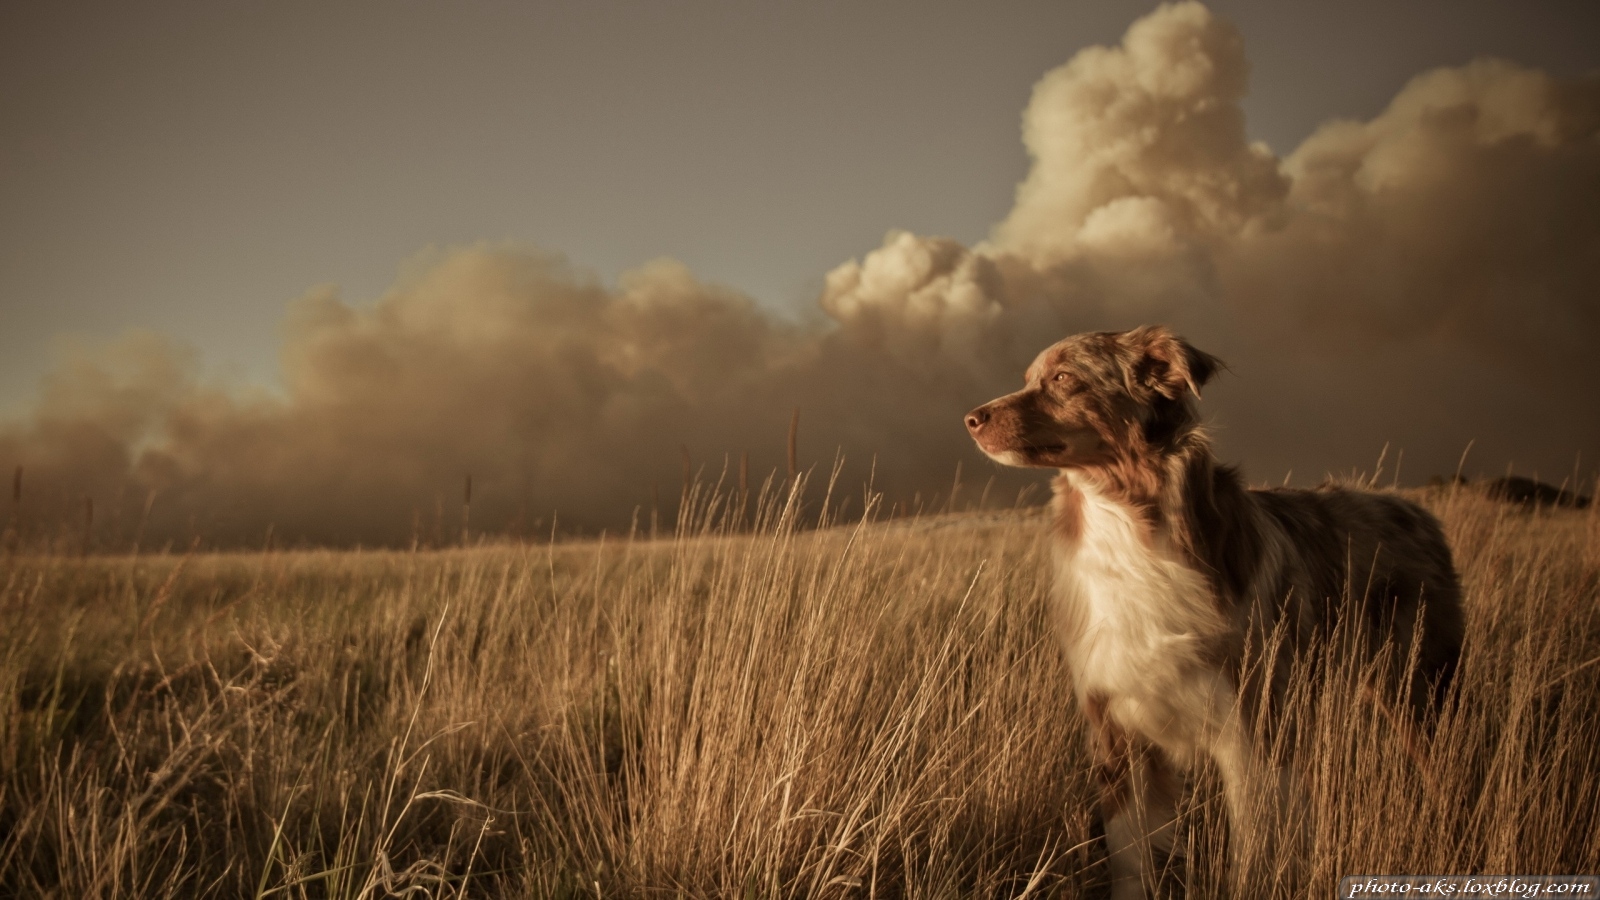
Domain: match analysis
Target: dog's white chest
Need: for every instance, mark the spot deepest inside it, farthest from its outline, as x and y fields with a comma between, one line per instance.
x=1135, y=620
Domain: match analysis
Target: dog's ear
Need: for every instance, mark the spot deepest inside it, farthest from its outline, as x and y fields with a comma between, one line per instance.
x=1160, y=361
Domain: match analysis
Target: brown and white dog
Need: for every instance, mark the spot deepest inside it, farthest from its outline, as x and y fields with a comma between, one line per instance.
x=1170, y=575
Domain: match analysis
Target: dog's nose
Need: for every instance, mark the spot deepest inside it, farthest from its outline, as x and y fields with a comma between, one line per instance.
x=977, y=419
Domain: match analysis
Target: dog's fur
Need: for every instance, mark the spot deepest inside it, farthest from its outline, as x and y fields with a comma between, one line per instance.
x=1183, y=598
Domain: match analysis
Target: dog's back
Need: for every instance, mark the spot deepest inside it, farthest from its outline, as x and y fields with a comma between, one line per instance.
x=1366, y=568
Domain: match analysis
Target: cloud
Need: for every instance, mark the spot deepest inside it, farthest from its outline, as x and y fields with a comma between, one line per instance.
x=1141, y=149
x=1428, y=277
x=555, y=392
x=1466, y=210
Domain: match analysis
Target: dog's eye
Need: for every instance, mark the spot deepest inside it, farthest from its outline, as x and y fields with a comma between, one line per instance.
x=1058, y=377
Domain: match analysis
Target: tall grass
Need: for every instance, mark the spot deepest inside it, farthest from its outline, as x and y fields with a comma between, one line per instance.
x=860, y=709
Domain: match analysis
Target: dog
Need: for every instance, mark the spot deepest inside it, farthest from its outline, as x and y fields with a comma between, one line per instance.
x=1184, y=599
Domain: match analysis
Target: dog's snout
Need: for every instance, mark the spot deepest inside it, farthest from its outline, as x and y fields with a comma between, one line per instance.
x=977, y=419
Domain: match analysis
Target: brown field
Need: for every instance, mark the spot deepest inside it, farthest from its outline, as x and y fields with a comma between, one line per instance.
x=872, y=709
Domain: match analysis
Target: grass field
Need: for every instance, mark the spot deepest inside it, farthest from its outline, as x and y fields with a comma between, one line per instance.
x=866, y=709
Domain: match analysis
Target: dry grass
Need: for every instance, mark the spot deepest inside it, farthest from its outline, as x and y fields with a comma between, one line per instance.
x=866, y=710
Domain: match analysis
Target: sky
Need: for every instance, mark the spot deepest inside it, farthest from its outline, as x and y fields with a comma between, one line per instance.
x=232, y=179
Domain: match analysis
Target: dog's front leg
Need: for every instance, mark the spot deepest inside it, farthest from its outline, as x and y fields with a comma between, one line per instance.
x=1139, y=793
x=1266, y=831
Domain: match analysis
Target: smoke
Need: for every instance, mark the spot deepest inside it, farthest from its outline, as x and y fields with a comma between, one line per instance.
x=1425, y=278
x=556, y=393
x=1428, y=279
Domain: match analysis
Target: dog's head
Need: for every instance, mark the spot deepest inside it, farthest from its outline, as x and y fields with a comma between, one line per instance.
x=1094, y=398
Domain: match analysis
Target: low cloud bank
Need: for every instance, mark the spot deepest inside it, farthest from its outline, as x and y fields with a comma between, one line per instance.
x=1426, y=278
